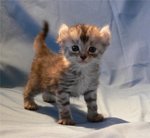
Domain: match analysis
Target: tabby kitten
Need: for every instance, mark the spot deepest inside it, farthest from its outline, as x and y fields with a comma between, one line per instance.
x=73, y=72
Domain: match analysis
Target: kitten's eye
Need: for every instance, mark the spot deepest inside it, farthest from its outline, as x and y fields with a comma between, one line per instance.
x=75, y=48
x=92, y=49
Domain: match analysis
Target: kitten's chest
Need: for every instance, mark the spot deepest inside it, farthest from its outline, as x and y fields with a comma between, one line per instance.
x=83, y=82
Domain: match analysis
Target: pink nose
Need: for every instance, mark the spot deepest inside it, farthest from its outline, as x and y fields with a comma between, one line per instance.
x=83, y=57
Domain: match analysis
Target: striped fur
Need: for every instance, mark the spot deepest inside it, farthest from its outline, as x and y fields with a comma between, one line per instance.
x=70, y=73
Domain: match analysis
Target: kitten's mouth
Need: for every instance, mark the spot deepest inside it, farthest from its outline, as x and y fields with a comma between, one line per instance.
x=82, y=61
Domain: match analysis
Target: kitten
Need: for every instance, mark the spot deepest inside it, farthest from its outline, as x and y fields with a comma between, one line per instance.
x=73, y=72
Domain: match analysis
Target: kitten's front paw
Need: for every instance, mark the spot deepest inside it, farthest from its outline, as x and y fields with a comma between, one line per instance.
x=95, y=118
x=30, y=105
x=66, y=122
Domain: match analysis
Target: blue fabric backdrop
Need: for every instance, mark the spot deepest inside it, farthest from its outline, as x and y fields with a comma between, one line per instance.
x=126, y=61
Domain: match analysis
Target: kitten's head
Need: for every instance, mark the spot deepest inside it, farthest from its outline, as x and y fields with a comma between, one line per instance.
x=83, y=44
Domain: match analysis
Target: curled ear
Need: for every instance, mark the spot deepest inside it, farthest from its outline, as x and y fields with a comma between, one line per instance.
x=105, y=35
x=62, y=33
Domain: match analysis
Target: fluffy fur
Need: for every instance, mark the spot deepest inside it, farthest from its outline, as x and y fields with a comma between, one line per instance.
x=73, y=72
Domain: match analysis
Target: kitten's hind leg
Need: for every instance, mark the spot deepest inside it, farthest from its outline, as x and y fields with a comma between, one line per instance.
x=49, y=97
x=29, y=94
x=90, y=97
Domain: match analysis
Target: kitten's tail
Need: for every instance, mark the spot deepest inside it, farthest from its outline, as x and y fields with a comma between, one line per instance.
x=45, y=29
x=39, y=42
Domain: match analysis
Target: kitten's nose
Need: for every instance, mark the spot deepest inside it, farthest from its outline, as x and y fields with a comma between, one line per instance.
x=83, y=57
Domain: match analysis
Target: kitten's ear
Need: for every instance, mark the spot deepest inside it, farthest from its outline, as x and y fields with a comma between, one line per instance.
x=105, y=35
x=63, y=28
x=62, y=33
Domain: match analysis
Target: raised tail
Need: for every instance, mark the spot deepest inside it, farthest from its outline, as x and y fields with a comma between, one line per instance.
x=39, y=41
x=45, y=29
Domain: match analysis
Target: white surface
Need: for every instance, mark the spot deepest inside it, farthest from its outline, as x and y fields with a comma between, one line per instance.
x=15, y=122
